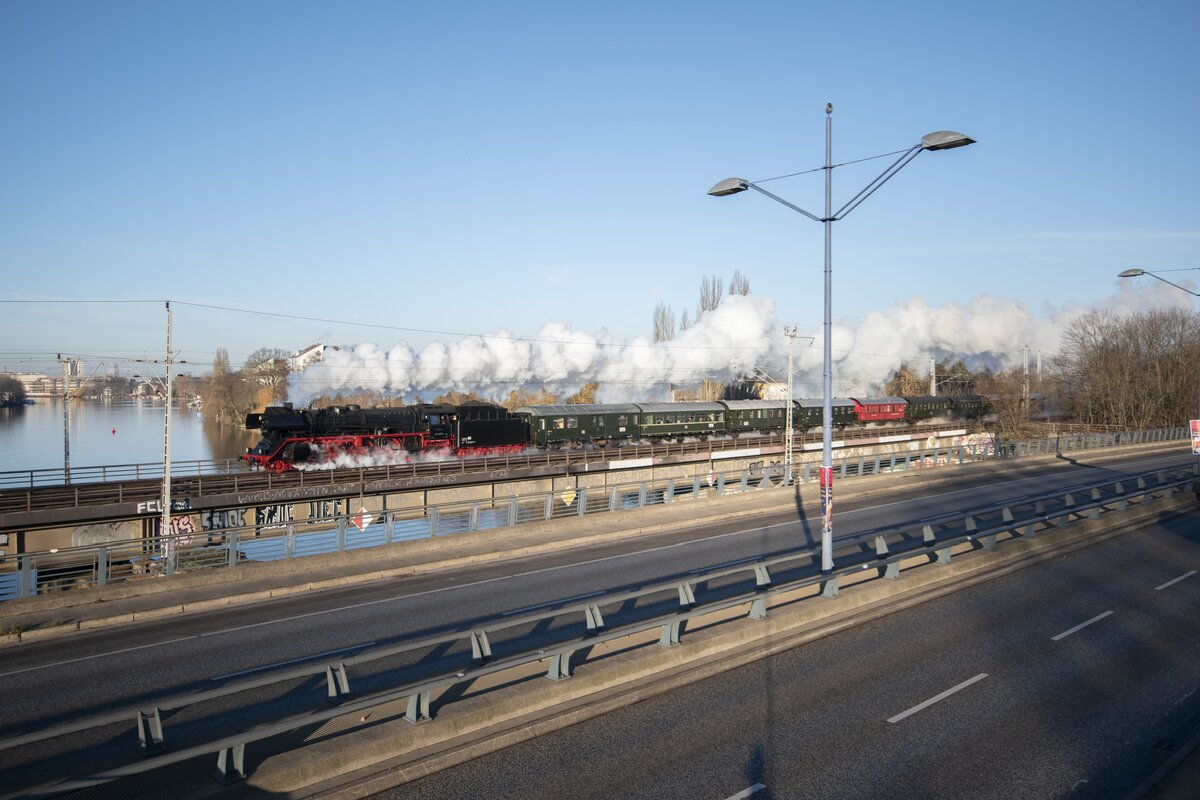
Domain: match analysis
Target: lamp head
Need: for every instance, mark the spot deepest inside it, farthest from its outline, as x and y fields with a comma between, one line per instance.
x=729, y=186
x=945, y=140
x=1131, y=273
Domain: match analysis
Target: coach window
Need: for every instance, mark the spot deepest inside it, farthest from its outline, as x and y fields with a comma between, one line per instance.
x=597, y=422
x=621, y=421
x=558, y=424
x=572, y=424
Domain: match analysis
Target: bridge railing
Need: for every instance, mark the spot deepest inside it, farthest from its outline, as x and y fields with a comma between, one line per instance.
x=510, y=641
x=101, y=565
x=111, y=473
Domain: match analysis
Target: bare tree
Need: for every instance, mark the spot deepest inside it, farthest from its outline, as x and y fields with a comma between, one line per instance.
x=586, y=394
x=268, y=368
x=1134, y=371
x=905, y=383
x=684, y=322
x=228, y=395
x=664, y=323
x=711, y=289
x=739, y=283
x=1004, y=391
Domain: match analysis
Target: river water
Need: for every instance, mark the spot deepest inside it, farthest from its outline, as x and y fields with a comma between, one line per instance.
x=108, y=433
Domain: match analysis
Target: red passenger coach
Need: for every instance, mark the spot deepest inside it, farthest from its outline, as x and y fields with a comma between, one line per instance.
x=879, y=409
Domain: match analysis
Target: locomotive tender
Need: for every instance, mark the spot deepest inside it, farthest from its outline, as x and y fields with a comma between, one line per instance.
x=311, y=437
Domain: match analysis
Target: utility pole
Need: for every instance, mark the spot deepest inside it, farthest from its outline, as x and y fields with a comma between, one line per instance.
x=789, y=432
x=66, y=369
x=168, y=546
x=1025, y=385
x=932, y=376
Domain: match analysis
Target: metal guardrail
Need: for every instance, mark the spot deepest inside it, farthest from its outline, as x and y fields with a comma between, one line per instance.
x=878, y=554
x=110, y=473
x=96, y=566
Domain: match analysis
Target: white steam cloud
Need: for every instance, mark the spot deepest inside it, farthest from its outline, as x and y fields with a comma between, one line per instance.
x=725, y=344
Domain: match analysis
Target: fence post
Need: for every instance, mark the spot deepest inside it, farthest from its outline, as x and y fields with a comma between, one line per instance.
x=434, y=518
x=26, y=578
x=341, y=534
x=101, y=565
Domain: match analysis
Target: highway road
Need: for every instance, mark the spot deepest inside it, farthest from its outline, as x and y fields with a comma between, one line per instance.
x=54, y=681
x=1072, y=678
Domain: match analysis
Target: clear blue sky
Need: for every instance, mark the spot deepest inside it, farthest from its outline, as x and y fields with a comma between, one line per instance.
x=475, y=166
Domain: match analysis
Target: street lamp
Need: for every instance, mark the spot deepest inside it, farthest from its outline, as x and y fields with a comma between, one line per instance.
x=938, y=140
x=1133, y=273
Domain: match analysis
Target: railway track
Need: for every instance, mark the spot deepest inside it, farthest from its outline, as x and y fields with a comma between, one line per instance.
x=101, y=490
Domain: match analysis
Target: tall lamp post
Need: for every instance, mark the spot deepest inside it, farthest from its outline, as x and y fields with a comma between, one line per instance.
x=938, y=140
x=1134, y=273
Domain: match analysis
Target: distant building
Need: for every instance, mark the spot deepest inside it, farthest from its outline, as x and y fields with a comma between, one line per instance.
x=307, y=356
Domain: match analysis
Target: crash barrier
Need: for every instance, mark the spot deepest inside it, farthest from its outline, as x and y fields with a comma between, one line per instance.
x=99, y=565
x=883, y=554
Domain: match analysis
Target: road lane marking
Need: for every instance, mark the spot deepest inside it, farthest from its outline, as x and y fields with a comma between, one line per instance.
x=744, y=793
x=1187, y=574
x=1080, y=626
x=938, y=698
x=551, y=603
x=98, y=655
x=293, y=661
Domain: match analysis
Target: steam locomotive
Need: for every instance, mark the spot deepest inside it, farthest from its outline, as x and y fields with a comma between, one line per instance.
x=294, y=438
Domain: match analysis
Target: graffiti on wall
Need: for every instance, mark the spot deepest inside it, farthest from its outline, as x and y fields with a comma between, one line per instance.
x=325, y=509
x=272, y=517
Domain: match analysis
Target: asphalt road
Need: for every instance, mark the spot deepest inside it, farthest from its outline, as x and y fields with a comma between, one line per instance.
x=90, y=673
x=1067, y=679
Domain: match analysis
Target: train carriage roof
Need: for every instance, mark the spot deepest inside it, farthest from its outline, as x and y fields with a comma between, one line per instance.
x=667, y=408
x=928, y=399
x=874, y=401
x=752, y=405
x=576, y=410
x=817, y=402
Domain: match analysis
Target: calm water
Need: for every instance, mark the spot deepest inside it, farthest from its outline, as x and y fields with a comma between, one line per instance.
x=32, y=437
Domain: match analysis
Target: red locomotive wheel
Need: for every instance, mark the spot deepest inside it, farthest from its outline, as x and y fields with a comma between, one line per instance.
x=276, y=466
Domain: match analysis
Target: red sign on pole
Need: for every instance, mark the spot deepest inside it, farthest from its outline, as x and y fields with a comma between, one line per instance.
x=1196, y=437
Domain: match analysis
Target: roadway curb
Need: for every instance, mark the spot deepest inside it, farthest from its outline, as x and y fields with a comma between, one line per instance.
x=387, y=751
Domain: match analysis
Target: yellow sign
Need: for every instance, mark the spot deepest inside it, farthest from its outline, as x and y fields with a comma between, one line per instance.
x=569, y=496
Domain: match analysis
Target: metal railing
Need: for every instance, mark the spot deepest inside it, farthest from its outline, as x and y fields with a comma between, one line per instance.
x=100, y=565
x=883, y=554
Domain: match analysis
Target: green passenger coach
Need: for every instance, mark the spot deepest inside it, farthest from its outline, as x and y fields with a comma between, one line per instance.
x=673, y=419
x=743, y=416
x=566, y=424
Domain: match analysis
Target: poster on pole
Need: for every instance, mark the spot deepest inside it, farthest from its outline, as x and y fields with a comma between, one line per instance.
x=1196, y=437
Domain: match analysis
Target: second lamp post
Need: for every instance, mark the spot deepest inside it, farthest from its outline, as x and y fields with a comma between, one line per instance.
x=939, y=140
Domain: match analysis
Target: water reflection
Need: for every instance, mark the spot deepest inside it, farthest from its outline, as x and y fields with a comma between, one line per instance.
x=110, y=432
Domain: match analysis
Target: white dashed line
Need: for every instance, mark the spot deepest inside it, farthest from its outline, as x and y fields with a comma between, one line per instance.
x=938, y=698
x=1175, y=581
x=1080, y=626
